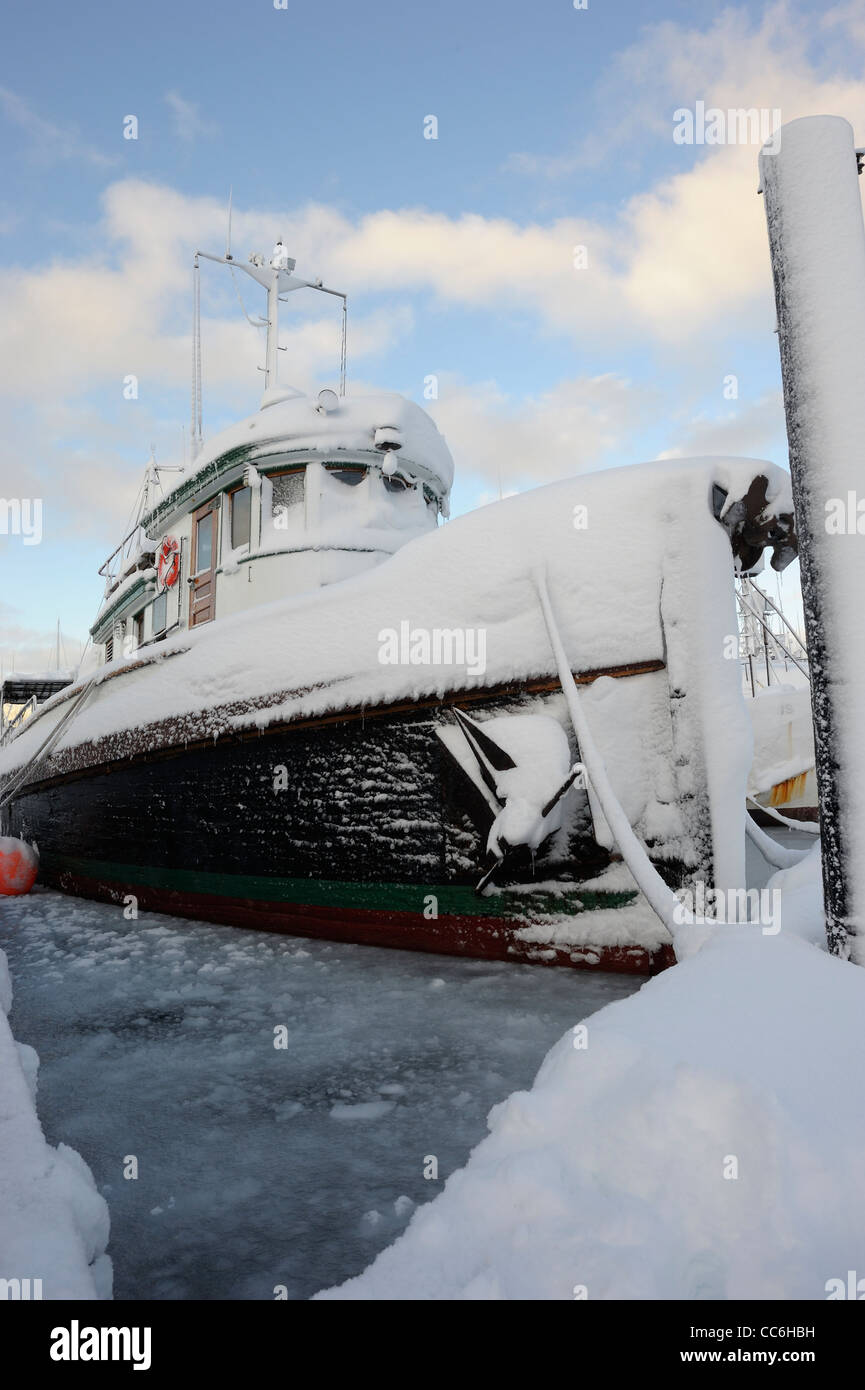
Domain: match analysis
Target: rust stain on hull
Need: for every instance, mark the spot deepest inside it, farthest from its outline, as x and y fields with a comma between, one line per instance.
x=788, y=790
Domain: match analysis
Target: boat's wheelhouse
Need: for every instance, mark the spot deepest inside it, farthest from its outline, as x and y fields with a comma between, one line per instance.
x=301, y=495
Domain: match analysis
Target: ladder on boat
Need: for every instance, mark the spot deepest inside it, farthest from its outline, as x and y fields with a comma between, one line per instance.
x=768, y=634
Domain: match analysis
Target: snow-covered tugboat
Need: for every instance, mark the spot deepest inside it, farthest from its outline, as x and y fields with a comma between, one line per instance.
x=312, y=708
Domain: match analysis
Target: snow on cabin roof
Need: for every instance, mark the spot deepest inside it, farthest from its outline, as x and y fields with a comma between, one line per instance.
x=630, y=554
x=292, y=421
x=131, y=581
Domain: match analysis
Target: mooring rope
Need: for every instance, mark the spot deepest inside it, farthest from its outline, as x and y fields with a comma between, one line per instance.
x=657, y=893
x=16, y=779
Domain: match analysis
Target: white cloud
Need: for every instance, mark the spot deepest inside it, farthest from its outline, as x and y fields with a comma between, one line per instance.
x=49, y=140
x=188, y=121
x=29, y=649
x=848, y=20
x=125, y=310
x=677, y=267
x=744, y=430
x=666, y=268
x=740, y=58
x=684, y=257
x=86, y=489
x=576, y=425
x=693, y=247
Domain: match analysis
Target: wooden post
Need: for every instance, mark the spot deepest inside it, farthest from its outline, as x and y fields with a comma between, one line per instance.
x=817, y=242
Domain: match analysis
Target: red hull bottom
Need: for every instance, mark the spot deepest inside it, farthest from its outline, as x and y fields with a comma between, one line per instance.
x=485, y=938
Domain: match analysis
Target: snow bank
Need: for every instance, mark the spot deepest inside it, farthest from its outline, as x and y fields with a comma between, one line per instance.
x=802, y=889
x=703, y=1143
x=53, y=1222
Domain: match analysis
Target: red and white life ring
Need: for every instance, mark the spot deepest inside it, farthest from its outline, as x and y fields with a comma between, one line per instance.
x=168, y=564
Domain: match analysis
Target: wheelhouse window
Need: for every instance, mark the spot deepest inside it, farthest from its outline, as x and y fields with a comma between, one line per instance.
x=159, y=612
x=394, y=483
x=350, y=476
x=240, y=502
x=287, y=490
x=204, y=546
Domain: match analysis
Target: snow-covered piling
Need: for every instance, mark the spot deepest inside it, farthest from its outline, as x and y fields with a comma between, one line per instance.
x=817, y=240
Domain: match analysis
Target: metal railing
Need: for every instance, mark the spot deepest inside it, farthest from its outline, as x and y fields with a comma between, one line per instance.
x=9, y=727
x=769, y=635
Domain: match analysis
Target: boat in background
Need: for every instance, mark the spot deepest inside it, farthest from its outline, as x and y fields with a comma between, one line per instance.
x=777, y=686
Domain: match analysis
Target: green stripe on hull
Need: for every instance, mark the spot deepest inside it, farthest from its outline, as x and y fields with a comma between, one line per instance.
x=452, y=900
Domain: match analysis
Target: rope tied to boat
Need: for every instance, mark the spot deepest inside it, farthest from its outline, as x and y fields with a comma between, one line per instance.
x=17, y=779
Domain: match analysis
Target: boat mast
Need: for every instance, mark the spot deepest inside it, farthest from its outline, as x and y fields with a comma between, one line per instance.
x=277, y=278
x=271, y=366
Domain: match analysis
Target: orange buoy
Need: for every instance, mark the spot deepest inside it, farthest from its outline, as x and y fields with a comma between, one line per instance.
x=19, y=865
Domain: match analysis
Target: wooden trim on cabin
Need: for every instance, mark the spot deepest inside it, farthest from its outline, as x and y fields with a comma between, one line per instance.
x=202, y=583
x=228, y=522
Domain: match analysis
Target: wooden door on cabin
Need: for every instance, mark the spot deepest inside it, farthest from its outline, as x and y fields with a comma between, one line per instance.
x=202, y=584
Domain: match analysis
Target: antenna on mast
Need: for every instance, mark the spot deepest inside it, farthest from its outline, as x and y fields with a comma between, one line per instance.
x=195, y=432
x=277, y=278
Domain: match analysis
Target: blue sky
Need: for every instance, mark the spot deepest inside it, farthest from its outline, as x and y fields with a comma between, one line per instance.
x=554, y=129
